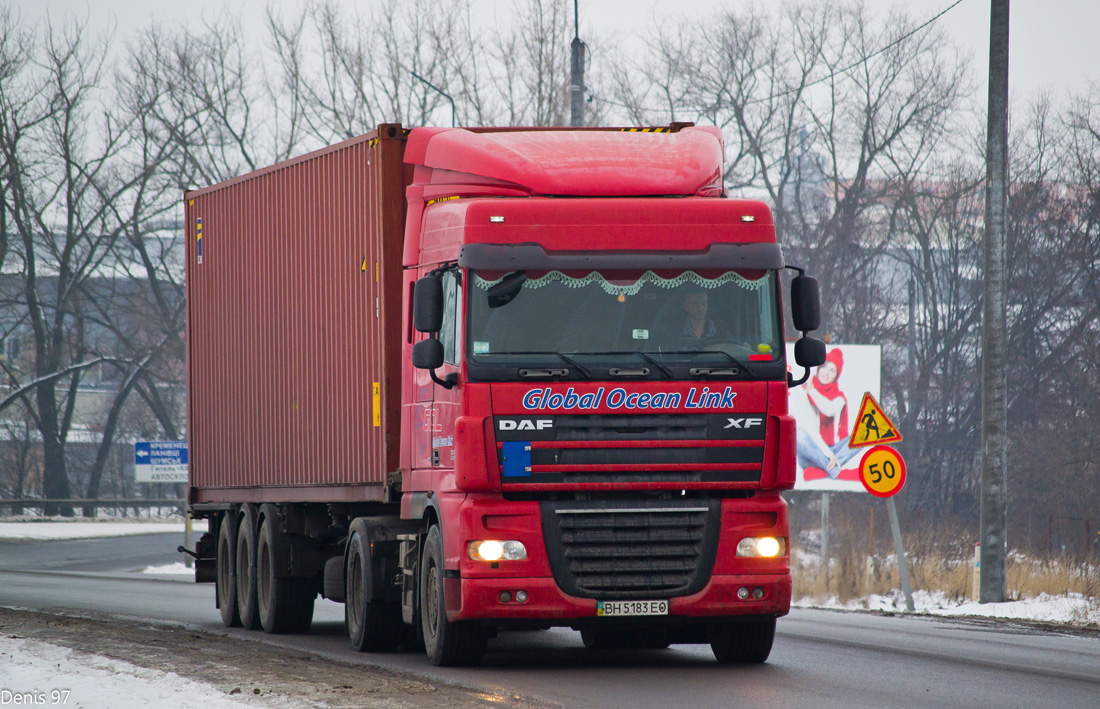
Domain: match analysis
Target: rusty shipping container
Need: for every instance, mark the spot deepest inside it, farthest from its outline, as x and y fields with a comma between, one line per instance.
x=293, y=317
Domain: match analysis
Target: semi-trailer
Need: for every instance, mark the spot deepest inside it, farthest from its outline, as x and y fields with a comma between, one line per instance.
x=472, y=380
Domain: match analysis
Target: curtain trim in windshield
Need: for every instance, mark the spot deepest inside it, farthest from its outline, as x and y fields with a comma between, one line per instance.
x=635, y=287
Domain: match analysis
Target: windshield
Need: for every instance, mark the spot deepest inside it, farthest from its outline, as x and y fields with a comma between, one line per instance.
x=638, y=317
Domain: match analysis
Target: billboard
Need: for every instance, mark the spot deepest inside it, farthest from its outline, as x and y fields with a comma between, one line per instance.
x=825, y=408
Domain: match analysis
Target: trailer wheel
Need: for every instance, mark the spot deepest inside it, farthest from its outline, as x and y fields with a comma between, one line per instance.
x=246, y=568
x=227, y=571
x=373, y=623
x=747, y=641
x=447, y=644
x=284, y=603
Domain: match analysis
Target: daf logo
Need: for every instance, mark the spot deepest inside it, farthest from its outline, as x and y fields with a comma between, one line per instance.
x=744, y=422
x=526, y=425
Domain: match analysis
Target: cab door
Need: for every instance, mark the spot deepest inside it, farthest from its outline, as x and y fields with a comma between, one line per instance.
x=447, y=403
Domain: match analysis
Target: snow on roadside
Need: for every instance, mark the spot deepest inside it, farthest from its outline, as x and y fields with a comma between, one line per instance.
x=31, y=672
x=12, y=531
x=172, y=569
x=1073, y=608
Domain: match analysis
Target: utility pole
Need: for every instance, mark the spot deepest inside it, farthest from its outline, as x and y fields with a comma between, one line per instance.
x=994, y=515
x=576, y=72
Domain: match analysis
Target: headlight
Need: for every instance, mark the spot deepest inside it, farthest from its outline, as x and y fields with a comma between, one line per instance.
x=492, y=550
x=762, y=546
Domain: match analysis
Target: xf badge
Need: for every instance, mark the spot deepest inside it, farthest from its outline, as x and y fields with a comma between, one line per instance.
x=745, y=422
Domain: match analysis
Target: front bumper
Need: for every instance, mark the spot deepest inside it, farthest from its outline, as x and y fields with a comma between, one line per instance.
x=479, y=599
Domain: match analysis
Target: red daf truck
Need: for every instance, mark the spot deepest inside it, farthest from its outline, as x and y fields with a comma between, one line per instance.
x=472, y=380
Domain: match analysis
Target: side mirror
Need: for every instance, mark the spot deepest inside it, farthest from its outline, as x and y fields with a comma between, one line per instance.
x=428, y=305
x=428, y=354
x=805, y=304
x=809, y=352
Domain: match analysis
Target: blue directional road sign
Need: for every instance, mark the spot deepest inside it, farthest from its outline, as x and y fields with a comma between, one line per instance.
x=160, y=461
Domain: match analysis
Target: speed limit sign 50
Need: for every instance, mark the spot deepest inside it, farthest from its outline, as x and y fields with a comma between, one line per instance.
x=882, y=471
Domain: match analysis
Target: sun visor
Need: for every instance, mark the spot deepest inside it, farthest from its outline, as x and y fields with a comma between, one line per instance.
x=516, y=257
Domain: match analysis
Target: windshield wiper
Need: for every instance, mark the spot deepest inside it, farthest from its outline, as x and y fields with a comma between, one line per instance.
x=655, y=363
x=702, y=370
x=587, y=374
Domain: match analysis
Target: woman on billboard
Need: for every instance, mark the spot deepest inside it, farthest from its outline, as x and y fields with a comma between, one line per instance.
x=821, y=412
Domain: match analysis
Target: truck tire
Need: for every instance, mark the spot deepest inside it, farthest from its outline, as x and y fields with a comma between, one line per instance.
x=741, y=642
x=447, y=644
x=284, y=603
x=373, y=623
x=226, y=557
x=246, y=568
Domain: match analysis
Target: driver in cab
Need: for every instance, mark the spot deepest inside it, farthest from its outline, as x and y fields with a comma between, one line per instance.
x=696, y=324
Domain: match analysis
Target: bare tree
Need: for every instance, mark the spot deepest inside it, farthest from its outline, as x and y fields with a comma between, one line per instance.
x=65, y=151
x=339, y=74
x=1053, y=275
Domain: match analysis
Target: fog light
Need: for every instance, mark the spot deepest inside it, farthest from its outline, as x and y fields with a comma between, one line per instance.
x=505, y=596
x=521, y=596
x=743, y=593
x=758, y=593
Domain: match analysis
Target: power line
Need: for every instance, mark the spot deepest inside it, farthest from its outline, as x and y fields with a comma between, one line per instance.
x=905, y=37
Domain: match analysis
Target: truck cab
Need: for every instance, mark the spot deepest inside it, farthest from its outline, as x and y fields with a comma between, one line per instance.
x=598, y=386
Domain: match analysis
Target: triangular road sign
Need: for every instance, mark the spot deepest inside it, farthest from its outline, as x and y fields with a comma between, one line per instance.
x=872, y=425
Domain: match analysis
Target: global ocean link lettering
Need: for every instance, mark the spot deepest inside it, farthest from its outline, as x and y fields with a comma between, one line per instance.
x=547, y=399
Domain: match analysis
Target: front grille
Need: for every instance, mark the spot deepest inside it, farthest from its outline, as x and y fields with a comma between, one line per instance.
x=650, y=427
x=621, y=550
x=668, y=448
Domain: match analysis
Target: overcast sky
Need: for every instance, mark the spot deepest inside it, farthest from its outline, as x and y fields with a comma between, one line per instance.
x=1053, y=47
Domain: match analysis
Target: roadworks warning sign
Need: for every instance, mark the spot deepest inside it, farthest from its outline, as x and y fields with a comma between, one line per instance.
x=873, y=426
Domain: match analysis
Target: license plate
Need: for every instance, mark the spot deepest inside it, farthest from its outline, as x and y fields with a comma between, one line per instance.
x=621, y=608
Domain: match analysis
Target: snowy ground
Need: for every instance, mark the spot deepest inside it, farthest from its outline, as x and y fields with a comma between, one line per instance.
x=36, y=673
x=58, y=528
x=179, y=568
x=1073, y=609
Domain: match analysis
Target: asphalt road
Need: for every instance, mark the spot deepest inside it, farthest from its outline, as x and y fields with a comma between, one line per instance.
x=820, y=658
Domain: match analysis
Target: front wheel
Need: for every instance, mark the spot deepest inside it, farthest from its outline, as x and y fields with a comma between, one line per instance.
x=743, y=642
x=447, y=644
x=373, y=623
